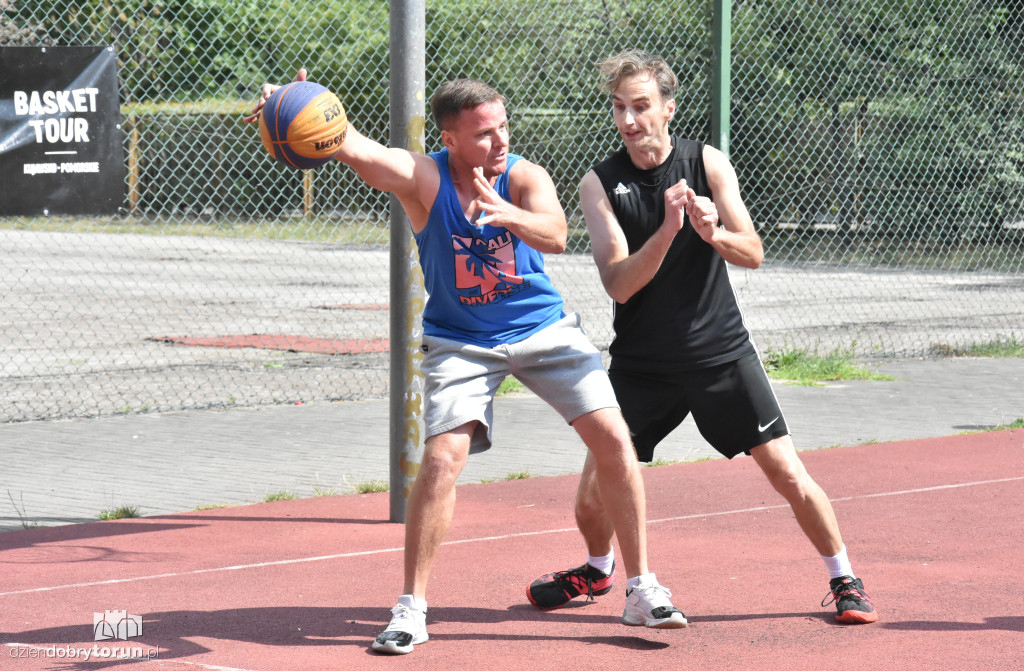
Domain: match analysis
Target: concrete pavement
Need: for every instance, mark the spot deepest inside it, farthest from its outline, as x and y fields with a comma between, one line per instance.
x=61, y=472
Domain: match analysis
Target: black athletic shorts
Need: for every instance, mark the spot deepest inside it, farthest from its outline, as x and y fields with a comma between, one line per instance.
x=732, y=404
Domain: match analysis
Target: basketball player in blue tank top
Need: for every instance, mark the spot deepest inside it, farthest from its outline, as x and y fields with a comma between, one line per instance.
x=664, y=216
x=483, y=219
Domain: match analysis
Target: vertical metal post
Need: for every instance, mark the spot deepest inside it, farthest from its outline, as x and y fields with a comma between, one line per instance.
x=408, y=80
x=721, y=49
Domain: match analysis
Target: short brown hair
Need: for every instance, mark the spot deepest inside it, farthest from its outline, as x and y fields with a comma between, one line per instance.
x=632, y=62
x=460, y=94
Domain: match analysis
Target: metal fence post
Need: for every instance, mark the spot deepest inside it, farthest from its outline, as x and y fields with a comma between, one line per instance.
x=721, y=49
x=408, y=79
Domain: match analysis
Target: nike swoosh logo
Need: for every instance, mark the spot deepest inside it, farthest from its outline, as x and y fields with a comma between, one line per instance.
x=762, y=428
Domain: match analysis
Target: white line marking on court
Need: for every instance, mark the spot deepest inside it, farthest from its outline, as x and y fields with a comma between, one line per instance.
x=844, y=498
x=523, y=534
x=217, y=569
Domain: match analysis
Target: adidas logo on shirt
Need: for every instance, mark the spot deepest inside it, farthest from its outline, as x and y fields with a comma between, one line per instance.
x=621, y=190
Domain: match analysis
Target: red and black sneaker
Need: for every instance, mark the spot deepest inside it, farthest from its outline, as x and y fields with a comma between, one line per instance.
x=554, y=590
x=852, y=602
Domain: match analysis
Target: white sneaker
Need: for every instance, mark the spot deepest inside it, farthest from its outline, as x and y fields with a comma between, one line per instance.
x=408, y=627
x=647, y=605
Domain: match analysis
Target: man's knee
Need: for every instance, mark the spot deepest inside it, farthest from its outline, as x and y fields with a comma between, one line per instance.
x=445, y=454
x=605, y=434
x=780, y=463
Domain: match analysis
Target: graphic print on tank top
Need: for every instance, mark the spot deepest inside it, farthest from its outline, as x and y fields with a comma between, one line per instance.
x=485, y=269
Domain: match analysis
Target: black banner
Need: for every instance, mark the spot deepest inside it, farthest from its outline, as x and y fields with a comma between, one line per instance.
x=61, y=145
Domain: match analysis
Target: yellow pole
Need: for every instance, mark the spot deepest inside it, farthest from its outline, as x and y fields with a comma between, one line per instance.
x=307, y=193
x=133, y=165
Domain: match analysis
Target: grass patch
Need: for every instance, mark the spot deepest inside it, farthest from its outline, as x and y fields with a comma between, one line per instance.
x=1015, y=424
x=800, y=367
x=120, y=513
x=335, y=230
x=371, y=487
x=25, y=522
x=518, y=475
x=510, y=385
x=661, y=462
x=210, y=506
x=320, y=489
x=806, y=247
x=1002, y=348
x=282, y=495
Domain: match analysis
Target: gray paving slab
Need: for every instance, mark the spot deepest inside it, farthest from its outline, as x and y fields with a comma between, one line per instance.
x=68, y=471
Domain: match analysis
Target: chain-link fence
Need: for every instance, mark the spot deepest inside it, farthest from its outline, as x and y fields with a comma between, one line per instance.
x=878, y=144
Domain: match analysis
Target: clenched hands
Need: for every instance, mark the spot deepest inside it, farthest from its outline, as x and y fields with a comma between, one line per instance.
x=680, y=199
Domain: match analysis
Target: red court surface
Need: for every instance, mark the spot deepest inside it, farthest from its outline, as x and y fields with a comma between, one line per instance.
x=934, y=527
x=286, y=343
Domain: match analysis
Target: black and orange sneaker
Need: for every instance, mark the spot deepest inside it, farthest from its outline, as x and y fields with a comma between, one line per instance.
x=853, y=605
x=554, y=590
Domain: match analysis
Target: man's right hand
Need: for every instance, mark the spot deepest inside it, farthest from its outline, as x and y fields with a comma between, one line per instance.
x=677, y=197
x=266, y=91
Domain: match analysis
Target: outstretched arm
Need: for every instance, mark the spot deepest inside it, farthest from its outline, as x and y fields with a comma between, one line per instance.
x=413, y=178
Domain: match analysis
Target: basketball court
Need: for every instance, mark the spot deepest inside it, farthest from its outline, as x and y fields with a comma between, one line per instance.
x=934, y=528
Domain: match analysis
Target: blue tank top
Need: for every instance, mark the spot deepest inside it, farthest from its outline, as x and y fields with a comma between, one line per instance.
x=484, y=285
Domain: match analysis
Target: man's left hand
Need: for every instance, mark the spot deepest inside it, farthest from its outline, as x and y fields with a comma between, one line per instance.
x=703, y=216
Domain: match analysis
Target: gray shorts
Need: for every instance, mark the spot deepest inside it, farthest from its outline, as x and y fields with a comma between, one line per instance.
x=559, y=364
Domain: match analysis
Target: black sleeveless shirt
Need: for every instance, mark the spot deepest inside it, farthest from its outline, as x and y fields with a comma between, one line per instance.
x=686, y=317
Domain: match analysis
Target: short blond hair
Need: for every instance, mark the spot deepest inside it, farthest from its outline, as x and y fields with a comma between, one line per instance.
x=632, y=62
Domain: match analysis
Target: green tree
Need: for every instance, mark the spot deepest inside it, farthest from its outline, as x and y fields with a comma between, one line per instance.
x=904, y=115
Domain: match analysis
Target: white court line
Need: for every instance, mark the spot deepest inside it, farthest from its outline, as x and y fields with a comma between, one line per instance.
x=523, y=534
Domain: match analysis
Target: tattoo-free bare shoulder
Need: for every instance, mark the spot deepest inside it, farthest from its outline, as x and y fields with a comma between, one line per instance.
x=718, y=168
x=526, y=177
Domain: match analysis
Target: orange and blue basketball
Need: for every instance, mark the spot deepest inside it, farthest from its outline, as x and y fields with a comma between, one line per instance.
x=303, y=125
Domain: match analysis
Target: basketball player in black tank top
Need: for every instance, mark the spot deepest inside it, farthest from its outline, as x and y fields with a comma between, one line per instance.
x=665, y=215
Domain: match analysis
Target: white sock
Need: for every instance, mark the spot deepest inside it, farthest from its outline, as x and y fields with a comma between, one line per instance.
x=647, y=578
x=839, y=565
x=409, y=601
x=604, y=564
